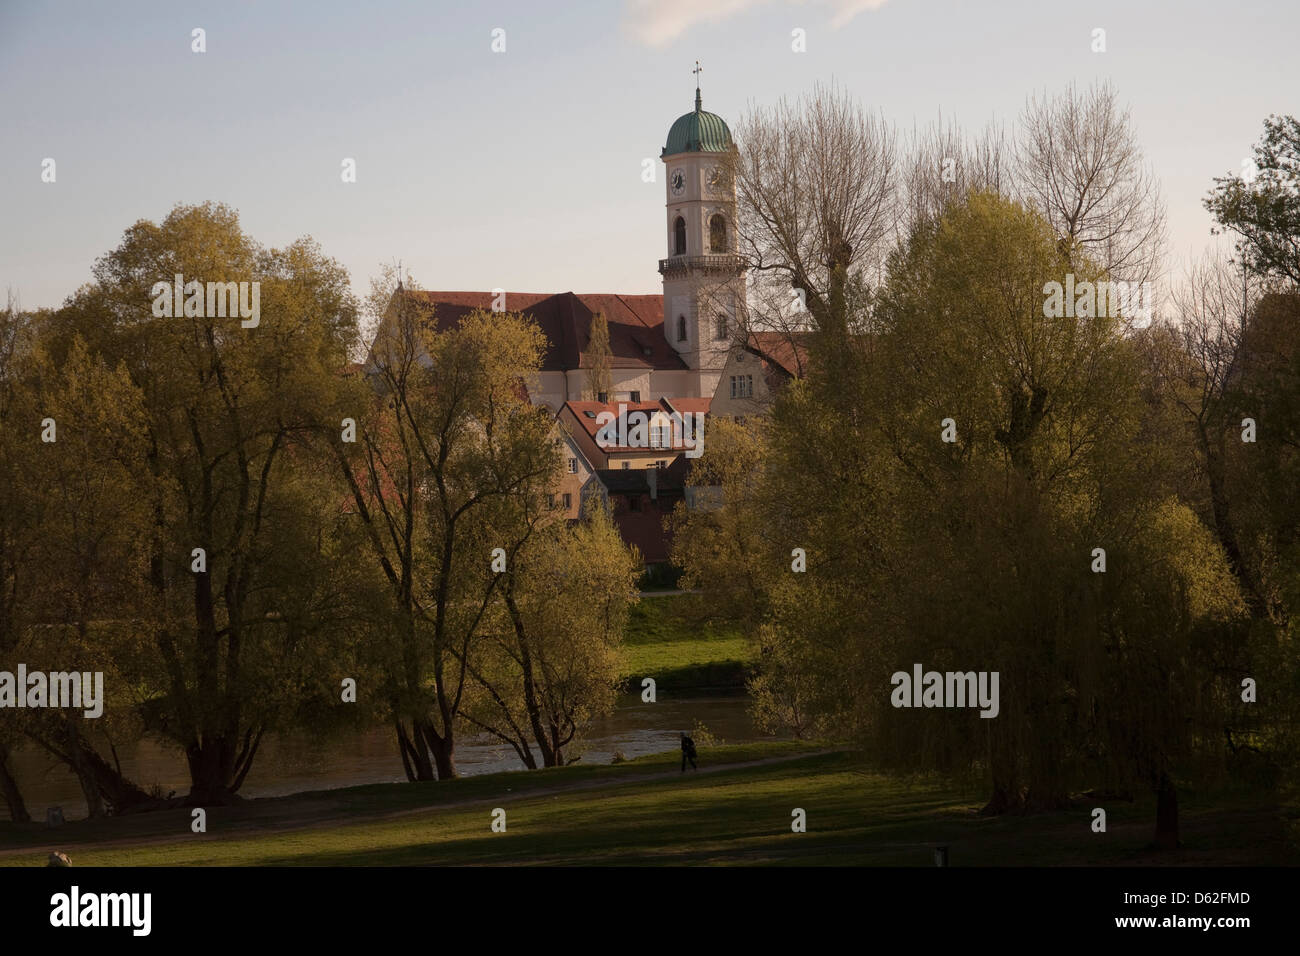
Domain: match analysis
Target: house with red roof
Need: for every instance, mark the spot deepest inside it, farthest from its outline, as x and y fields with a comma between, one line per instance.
x=757, y=369
x=636, y=435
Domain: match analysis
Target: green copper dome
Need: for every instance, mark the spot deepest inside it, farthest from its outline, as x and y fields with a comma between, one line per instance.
x=698, y=132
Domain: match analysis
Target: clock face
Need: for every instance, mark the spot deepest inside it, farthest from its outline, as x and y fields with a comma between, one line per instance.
x=678, y=181
x=719, y=177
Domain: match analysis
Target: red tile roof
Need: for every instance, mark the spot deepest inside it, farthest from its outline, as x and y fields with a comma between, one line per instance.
x=589, y=423
x=636, y=338
x=787, y=350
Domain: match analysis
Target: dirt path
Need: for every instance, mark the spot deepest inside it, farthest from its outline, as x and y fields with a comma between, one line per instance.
x=316, y=809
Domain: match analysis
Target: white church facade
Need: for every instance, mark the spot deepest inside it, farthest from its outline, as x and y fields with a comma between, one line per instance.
x=673, y=345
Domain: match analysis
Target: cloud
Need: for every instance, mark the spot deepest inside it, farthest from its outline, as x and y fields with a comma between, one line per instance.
x=658, y=22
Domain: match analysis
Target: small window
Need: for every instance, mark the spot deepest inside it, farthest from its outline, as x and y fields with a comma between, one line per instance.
x=627, y=465
x=661, y=463
x=636, y=396
x=681, y=328
x=717, y=234
x=573, y=466
x=659, y=436
x=720, y=326
x=733, y=386
x=679, y=237
x=568, y=501
x=603, y=398
x=550, y=501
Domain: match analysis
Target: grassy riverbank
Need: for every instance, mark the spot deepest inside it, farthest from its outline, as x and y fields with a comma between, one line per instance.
x=667, y=641
x=736, y=810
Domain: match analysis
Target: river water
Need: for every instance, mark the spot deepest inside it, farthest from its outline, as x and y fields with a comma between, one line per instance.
x=294, y=762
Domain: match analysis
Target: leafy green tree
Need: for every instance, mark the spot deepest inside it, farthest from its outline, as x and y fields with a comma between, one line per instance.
x=446, y=450
x=551, y=664
x=232, y=413
x=86, y=570
x=949, y=501
x=18, y=534
x=1261, y=204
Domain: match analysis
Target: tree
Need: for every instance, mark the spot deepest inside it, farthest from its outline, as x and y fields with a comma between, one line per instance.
x=85, y=571
x=1197, y=373
x=975, y=553
x=1262, y=204
x=1079, y=161
x=598, y=359
x=448, y=446
x=17, y=521
x=943, y=166
x=242, y=596
x=817, y=189
x=551, y=663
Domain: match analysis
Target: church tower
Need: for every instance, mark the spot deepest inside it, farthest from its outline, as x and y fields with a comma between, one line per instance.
x=703, y=276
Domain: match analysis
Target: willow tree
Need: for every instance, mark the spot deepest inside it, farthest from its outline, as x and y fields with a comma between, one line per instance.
x=550, y=663
x=447, y=444
x=951, y=506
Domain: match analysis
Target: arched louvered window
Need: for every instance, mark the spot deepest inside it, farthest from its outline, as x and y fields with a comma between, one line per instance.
x=718, y=234
x=679, y=237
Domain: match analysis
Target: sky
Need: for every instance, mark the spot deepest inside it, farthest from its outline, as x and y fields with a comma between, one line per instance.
x=522, y=169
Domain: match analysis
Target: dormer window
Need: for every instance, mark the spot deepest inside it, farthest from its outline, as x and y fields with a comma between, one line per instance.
x=679, y=237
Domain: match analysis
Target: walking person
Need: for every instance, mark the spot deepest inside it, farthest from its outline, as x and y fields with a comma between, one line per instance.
x=688, y=753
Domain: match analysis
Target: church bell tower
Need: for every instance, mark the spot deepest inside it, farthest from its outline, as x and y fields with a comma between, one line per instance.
x=703, y=276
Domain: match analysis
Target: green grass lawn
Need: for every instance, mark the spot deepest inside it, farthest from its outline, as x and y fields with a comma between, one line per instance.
x=645, y=812
x=663, y=641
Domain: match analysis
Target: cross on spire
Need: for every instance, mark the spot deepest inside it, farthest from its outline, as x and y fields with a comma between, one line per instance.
x=697, y=71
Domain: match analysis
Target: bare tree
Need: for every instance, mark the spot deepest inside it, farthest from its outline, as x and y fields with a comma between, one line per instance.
x=817, y=186
x=1211, y=309
x=1078, y=159
x=944, y=164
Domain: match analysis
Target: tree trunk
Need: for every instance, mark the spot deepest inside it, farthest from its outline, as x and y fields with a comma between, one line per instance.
x=444, y=753
x=1226, y=531
x=1006, y=793
x=415, y=753
x=1166, y=814
x=85, y=775
x=549, y=756
x=9, y=786
x=118, y=792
